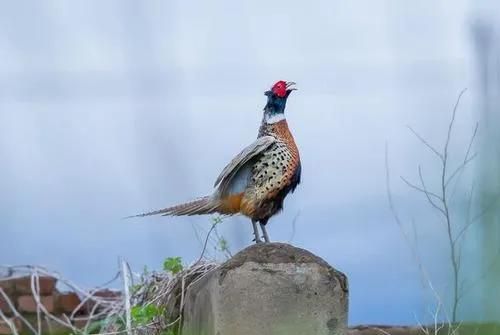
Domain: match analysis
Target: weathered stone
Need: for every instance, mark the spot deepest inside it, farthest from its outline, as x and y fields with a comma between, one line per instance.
x=5, y=329
x=383, y=329
x=67, y=302
x=462, y=328
x=28, y=304
x=46, y=284
x=272, y=289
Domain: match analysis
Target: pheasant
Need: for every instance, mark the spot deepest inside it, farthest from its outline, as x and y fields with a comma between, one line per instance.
x=256, y=182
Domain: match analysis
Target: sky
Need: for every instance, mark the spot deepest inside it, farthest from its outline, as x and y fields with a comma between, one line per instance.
x=108, y=109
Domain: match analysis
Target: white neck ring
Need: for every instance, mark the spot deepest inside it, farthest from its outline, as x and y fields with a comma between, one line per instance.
x=274, y=118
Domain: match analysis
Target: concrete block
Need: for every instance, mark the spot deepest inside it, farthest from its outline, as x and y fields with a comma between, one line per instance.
x=271, y=289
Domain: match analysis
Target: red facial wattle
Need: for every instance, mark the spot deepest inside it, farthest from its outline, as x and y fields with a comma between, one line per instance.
x=279, y=89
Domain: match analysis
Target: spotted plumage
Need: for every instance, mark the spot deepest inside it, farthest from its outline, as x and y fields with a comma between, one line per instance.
x=256, y=182
x=274, y=174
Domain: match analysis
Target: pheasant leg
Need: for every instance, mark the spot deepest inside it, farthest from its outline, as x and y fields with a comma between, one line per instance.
x=264, y=231
x=256, y=232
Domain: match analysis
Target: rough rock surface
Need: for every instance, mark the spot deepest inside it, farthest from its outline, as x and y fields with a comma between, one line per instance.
x=268, y=289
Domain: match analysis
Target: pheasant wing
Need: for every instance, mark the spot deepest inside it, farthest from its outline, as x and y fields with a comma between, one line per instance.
x=251, y=151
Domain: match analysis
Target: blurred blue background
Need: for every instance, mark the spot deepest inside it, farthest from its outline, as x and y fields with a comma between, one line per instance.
x=112, y=108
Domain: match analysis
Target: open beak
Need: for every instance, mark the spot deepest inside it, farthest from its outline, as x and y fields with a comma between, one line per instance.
x=289, y=86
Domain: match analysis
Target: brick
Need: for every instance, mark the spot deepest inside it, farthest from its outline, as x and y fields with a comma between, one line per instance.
x=5, y=328
x=7, y=285
x=67, y=302
x=104, y=294
x=27, y=303
x=4, y=306
x=47, y=285
x=107, y=294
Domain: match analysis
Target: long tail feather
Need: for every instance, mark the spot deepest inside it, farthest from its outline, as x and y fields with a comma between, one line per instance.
x=205, y=205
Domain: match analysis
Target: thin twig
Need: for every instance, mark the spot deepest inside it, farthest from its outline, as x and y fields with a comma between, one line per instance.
x=110, y=308
x=434, y=150
x=397, y=219
x=294, y=226
x=443, y=205
x=206, y=242
x=415, y=187
x=442, y=197
x=467, y=159
x=450, y=125
x=9, y=323
x=15, y=312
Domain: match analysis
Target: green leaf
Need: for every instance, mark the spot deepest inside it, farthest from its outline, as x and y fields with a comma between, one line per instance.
x=142, y=315
x=223, y=245
x=216, y=220
x=173, y=265
x=95, y=327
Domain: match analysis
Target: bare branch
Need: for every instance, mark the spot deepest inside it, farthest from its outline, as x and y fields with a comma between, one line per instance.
x=463, y=230
x=294, y=226
x=467, y=159
x=434, y=150
x=110, y=308
x=442, y=196
x=415, y=187
x=450, y=126
x=196, y=233
x=397, y=219
x=9, y=323
x=206, y=242
x=455, y=255
x=15, y=312
x=460, y=168
x=427, y=194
